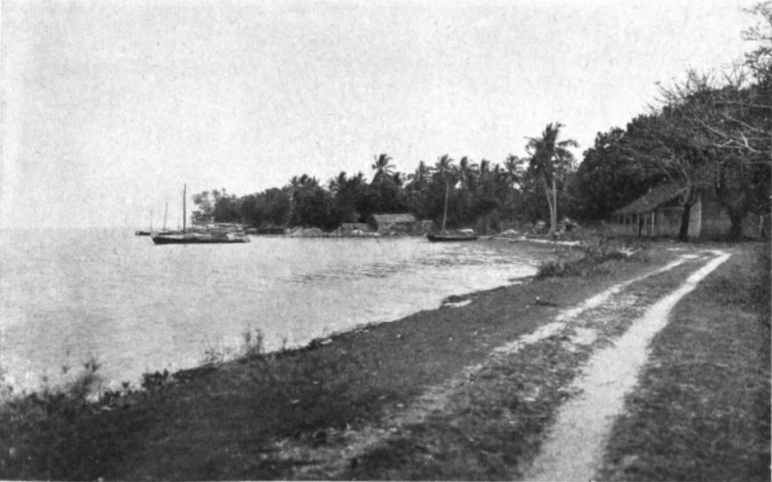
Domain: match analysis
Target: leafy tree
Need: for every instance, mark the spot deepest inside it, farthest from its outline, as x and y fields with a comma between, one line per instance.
x=713, y=133
x=216, y=206
x=205, y=204
x=269, y=208
x=607, y=179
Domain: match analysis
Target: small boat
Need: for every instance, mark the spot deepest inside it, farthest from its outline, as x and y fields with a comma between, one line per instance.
x=445, y=236
x=452, y=236
x=197, y=237
x=146, y=233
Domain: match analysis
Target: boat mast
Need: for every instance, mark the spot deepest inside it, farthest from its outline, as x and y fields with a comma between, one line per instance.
x=166, y=211
x=445, y=216
x=184, y=207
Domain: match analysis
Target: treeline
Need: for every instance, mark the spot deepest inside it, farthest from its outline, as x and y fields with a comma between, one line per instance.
x=483, y=192
x=708, y=133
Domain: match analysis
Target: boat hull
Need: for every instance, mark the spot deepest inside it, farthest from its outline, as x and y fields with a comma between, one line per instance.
x=448, y=238
x=199, y=239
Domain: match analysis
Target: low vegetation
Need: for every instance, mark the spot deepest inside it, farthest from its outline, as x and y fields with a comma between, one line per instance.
x=702, y=408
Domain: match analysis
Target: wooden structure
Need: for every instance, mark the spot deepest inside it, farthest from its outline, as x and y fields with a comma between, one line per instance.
x=394, y=223
x=658, y=213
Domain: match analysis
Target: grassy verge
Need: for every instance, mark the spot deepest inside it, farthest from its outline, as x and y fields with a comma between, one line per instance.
x=220, y=421
x=495, y=419
x=702, y=408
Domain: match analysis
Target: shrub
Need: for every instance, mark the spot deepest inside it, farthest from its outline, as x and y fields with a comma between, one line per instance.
x=253, y=346
x=591, y=264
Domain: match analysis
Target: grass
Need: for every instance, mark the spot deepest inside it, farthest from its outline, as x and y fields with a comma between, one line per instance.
x=702, y=408
x=592, y=256
x=227, y=420
x=219, y=421
x=495, y=421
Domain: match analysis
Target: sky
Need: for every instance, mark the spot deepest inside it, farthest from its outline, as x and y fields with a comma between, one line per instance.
x=108, y=108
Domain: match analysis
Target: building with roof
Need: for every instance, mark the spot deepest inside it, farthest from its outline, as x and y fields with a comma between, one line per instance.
x=394, y=223
x=658, y=213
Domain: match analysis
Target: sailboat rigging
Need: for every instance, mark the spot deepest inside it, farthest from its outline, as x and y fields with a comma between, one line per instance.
x=444, y=236
x=207, y=236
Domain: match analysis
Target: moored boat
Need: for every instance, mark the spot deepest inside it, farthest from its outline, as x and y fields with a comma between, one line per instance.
x=199, y=238
x=214, y=236
x=445, y=237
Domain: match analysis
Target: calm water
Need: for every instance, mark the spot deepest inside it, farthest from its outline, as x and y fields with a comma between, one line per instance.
x=68, y=294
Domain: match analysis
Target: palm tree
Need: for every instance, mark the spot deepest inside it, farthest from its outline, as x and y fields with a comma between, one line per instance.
x=514, y=170
x=445, y=171
x=467, y=172
x=299, y=187
x=420, y=178
x=444, y=165
x=337, y=184
x=550, y=160
x=382, y=166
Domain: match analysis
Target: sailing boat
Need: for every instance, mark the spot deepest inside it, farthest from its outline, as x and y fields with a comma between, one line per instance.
x=196, y=237
x=444, y=236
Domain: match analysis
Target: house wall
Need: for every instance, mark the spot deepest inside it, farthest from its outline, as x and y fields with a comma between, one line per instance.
x=668, y=221
x=623, y=225
x=387, y=228
x=715, y=221
x=695, y=221
x=707, y=221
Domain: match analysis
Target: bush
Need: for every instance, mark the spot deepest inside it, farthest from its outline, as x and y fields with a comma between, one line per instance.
x=253, y=346
x=591, y=264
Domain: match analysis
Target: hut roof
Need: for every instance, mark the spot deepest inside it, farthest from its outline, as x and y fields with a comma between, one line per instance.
x=393, y=218
x=651, y=200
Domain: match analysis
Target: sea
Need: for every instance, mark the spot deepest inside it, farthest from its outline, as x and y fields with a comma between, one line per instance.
x=70, y=295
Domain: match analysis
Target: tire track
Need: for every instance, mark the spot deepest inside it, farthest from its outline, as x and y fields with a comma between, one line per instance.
x=574, y=448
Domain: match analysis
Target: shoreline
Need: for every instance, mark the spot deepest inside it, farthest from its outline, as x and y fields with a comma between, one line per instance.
x=30, y=371
x=241, y=419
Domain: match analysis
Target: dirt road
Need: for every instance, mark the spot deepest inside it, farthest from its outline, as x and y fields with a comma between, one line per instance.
x=600, y=344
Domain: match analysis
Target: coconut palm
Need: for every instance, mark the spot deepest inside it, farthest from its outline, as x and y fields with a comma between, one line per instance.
x=382, y=167
x=513, y=168
x=445, y=169
x=420, y=178
x=550, y=160
x=467, y=173
x=338, y=183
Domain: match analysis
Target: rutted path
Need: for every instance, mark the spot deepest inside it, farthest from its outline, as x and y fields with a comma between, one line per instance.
x=574, y=448
x=515, y=376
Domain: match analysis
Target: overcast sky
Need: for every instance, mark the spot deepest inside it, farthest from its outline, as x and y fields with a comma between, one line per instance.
x=109, y=107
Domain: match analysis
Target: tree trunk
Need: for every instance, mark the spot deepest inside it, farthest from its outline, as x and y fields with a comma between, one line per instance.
x=551, y=207
x=683, y=233
x=554, y=210
x=736, y=229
